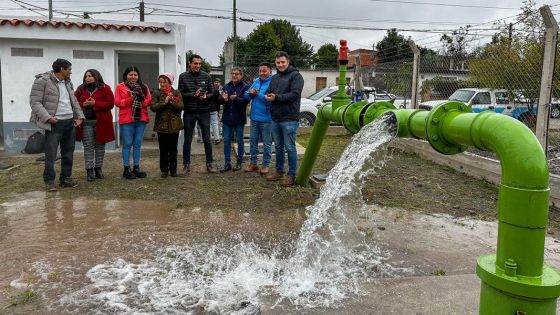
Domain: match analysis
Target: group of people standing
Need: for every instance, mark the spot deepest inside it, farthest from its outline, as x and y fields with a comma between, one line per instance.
x=85, y=115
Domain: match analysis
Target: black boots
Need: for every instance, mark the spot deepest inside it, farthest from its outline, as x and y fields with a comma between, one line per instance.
x=139, y=174
x=98, y=173
x=90, y=175
x=128, y=174
x=135, y=173
x=238, y=166
x=226, y=168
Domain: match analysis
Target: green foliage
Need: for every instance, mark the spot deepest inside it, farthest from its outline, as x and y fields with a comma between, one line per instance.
x=399, y=82
x=291, y=42
x=327, y=56
x=269, y=38
x=206, y=66
x=393, y=47
x=261, y=45
x=456, y=44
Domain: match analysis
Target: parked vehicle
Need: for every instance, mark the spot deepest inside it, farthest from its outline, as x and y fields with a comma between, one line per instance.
x=496, y=100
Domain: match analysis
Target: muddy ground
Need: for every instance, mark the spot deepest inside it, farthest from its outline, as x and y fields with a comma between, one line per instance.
x=406, y=181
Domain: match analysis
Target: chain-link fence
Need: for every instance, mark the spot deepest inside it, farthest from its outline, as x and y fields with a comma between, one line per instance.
x=504, y=75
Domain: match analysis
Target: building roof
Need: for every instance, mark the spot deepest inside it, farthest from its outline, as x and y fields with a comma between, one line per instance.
x=85, y=24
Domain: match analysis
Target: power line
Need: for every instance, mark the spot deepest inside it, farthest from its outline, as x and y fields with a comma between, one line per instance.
x=446, y=5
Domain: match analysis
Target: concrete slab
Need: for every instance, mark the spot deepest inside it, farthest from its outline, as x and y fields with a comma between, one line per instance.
x=425, y=245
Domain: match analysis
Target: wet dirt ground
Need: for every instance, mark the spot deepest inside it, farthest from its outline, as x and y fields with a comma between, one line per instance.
x=49, y=241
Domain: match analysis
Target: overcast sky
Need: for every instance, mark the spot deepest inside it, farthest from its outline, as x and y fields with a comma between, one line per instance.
x=206, y=35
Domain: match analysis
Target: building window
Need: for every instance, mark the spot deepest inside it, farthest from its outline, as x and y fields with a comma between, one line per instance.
x=88, y=54
x=27, y=52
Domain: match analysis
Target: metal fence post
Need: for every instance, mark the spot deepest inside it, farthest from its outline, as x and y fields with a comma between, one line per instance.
x=549, y=56
x=228, y=60
x=415, y=74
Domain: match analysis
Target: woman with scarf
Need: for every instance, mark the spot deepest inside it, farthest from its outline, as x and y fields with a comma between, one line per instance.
x=167, y=103
x=97, y=100
x=132, y=97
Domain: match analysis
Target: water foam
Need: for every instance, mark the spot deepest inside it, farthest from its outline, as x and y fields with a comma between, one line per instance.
x=326, y=265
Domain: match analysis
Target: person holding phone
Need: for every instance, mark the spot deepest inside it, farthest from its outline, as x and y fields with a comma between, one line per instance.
x=284, y=94
x=196, y=88
x=97, y=100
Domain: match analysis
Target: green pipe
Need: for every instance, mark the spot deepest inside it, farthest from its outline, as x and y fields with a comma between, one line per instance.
x=516, y=278
x=353, y=116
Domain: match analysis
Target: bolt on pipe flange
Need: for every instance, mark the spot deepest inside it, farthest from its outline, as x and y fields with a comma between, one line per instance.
x=433, y=127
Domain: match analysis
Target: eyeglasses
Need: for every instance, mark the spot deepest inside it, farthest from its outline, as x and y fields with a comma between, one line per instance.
x=235, y=73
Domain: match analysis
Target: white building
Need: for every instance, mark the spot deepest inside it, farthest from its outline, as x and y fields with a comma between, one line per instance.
x=316, y=80
x=28, y=46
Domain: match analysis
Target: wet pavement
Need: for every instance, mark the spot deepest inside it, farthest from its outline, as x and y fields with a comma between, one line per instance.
x=52, y=246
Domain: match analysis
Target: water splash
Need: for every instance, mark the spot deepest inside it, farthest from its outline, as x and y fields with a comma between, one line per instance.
x=326, y=265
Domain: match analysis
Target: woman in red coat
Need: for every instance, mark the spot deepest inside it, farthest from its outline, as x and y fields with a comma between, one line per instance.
x=96, y=100
x=132, y=97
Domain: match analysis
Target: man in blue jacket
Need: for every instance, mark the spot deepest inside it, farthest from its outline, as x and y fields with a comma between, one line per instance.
x=284, y=93
x=234, y=117
x=260, y=119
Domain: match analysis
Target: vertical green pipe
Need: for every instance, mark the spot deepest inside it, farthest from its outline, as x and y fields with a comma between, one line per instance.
x=312, y=150
x=516, y=278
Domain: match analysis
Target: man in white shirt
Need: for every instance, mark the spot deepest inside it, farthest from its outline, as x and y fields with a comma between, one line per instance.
x=55, y=109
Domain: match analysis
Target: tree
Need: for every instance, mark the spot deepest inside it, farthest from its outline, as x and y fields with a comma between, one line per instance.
x=291, y=42
x=206, y=66
x=327, y=56
x=261, y=45
x=512, y=60
x=456, y=44
x=393, y=47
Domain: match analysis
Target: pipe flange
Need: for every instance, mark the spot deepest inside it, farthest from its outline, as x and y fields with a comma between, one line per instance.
x=374, y=111
x=433, y=127
x=348, y=115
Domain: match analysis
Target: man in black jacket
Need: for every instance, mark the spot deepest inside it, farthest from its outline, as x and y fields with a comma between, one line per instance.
x=196, y=88
x=284, y=93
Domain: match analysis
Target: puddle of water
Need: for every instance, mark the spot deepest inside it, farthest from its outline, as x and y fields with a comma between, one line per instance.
x=141, y=257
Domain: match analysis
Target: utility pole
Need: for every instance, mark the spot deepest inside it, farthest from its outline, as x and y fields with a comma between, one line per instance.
x=235, y=32
x=142, y=11
x=50, y=10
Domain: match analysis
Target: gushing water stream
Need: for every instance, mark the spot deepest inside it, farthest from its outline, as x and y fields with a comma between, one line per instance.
x=149, y=260
x=326, y=264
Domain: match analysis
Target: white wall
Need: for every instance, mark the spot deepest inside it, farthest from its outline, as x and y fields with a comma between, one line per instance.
x=310, y=79
x=18, y=73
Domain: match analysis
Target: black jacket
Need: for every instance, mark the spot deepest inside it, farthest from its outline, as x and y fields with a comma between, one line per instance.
x=287, y=86
x=188, y=84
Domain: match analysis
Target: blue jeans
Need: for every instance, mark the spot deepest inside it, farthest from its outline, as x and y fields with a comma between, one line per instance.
x=260, y=130
x=132, y=135
x=227, y=133
x=190, y=119
x=284, y=135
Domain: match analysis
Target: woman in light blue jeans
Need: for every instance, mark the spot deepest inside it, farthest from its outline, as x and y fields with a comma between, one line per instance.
x=132, y=97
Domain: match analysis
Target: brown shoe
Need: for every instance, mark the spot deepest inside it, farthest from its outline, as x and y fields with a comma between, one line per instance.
x=264, y=170
x=186, y=169
x=251, y=168
x=275, y=176
x=210, y=168
x=288, y=181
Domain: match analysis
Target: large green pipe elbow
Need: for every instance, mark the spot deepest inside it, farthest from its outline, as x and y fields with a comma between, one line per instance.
x=516, y=278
